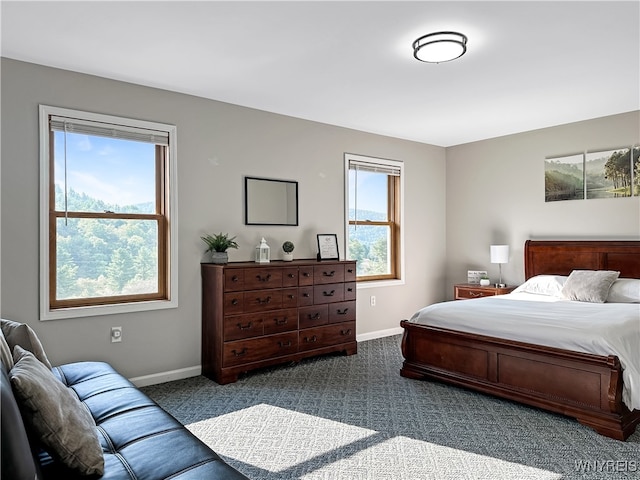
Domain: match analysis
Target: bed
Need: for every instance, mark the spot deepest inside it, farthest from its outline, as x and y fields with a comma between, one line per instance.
x=586, y=386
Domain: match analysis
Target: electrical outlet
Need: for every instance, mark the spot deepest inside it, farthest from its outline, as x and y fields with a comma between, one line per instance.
x=373, y=300
x=116, y=334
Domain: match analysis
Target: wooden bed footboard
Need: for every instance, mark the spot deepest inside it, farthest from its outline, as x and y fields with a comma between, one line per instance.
x=580, y=385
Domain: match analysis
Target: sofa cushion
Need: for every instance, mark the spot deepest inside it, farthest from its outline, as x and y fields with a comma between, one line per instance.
x=22, y=334
x=17, y=460
x=63, y=424
x=5, y=354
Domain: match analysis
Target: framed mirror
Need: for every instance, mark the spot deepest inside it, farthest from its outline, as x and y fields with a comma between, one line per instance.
x=270, y=202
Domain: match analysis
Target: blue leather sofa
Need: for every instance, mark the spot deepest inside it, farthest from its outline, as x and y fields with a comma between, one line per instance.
x=139, y=439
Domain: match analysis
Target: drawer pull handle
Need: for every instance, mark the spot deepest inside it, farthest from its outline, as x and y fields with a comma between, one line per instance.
x=234, y=278
x=305, y=274
x=245, y=327
x=280, y=321
x=264, y=301
x=349, y=289
x=291, y=275
x=239, y=353
x=314, y=317
x=329, y=294
x=474, y=294
x=306, y=295
x=345, y=332
x=350, y=270
x=284, y=344
x=311, y=339
x=291, y=296
x=234, y=301
x=329, y=274
x=342, y=312
x=266, y=278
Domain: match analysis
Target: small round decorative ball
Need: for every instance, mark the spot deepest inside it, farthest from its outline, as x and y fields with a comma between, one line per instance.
x=288, y=247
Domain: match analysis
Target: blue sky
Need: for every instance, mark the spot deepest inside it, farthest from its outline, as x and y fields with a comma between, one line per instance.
x=372, y=191
x=115, y=171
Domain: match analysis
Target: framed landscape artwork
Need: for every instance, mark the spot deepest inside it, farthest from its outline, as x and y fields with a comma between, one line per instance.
x=611, y=173
x=564, y=178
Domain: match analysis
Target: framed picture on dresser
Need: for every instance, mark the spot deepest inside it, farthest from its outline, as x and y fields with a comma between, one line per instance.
x=328, y=246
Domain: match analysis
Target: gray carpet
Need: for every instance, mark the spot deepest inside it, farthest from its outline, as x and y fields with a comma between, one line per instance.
x=339, y=417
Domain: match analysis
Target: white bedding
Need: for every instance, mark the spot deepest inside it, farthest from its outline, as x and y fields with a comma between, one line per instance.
x=599, y=328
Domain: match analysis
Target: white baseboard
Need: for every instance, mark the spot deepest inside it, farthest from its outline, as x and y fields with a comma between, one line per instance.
x=379, y=334
x=181, y=373
x=169, y=376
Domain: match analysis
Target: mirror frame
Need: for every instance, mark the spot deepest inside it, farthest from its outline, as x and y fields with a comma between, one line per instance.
x=247, y=198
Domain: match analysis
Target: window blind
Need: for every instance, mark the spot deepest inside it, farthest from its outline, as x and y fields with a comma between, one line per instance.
x=87, y=127
x=374, y=167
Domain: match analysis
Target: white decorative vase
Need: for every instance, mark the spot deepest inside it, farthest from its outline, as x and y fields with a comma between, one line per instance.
x=287, y=257
x=485, y=282
x=219, y=257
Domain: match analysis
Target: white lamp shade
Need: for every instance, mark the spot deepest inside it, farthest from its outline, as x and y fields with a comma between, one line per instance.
x=499, y=253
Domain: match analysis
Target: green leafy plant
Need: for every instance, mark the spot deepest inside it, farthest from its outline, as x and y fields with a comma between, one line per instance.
x=288, y=247
x=219, y=243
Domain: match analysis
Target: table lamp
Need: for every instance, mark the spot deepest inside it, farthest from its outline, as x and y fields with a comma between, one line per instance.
x=500, y=255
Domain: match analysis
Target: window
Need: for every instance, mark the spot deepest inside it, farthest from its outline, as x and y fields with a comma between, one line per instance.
x=107, y=214
x=374, y=192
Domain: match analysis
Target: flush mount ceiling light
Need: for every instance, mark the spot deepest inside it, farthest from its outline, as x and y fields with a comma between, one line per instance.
x=440, y=47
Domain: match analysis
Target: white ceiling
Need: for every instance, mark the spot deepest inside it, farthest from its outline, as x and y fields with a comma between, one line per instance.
x=528, y=65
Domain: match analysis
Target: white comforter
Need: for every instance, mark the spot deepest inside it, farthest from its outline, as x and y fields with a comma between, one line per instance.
x=602, y=329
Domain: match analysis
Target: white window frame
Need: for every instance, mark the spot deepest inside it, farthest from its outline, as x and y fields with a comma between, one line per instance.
x=46, y=313
x=387, y=163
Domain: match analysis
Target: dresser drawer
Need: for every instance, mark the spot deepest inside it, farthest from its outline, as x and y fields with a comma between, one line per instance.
x=331, y=292
x=332, y=273
x=243, y=326
x=261, y=278
x=465, y=291
x=342, y=312
x=233, y=280
x=233, y=303
x=305, y=296
x=255, y=349
x=313, y=316
x=259, y=300
x=280, y=321
x=290, y=277
x=305, y=275
x=319, y=337
x=290, y=298
x=350, y=272
x=350, y=291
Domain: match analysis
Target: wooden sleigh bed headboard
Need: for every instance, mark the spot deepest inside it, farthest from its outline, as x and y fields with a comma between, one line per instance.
x=551, y=257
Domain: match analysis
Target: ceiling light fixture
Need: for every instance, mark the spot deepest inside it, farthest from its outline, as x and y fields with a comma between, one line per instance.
x=440, y=47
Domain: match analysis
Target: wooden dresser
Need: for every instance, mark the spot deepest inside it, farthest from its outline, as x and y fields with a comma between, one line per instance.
x=256, y=315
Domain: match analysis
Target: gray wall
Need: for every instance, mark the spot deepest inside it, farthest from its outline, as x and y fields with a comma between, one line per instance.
x=218, y=144
x=495, y=194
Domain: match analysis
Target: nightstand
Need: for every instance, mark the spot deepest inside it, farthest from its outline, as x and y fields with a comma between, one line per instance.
x=463, y=291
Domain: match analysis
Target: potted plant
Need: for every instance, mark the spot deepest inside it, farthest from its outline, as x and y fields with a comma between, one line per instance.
x=218, y=245
x=287, y=247
x=484, y=281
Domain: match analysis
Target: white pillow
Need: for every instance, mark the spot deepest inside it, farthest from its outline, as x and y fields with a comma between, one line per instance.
x=543, y=285
x=625, y=290
x=589, y=285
